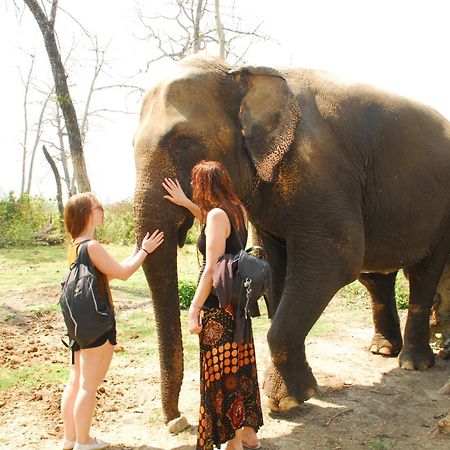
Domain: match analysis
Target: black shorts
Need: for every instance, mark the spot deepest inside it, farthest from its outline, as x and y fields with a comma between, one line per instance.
x=109, y=336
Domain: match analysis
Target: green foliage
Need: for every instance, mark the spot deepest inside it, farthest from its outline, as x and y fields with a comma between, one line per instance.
x=193, y=233
x=401, y=291
x=118, y=226
x=186, y=291
x=25, y=219
x=355, y=291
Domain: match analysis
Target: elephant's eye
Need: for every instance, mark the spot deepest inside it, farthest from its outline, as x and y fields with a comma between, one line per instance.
x=185, y=143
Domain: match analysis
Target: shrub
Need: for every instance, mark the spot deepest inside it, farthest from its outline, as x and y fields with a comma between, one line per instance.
x=186, y=291
x=25, y=220
x=118, y=225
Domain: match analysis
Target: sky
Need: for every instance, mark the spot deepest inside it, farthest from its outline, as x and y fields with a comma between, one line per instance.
x=398, y=45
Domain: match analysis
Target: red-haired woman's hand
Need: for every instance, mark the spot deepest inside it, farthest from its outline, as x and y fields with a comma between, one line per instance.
x=176, y=193
x=194, y=320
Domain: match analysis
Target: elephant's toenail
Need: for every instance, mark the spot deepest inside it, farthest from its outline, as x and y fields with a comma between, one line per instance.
x=272, y=404
x=279, y=357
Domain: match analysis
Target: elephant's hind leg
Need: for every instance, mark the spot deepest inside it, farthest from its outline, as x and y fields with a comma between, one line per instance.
x=387, y=339
x=423, y=280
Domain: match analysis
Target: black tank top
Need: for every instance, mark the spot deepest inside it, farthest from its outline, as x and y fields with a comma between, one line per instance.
x=232, y=246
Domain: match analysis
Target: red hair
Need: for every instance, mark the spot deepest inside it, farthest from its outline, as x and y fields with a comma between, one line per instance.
x=212, y=188
x=77, y=212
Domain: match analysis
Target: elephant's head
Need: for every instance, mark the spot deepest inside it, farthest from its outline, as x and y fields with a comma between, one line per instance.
x=245, y=118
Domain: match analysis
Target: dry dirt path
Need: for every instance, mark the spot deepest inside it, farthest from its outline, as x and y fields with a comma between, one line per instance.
x=365, y=401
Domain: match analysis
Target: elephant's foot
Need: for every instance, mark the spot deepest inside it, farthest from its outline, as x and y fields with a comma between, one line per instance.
x=177, y=425
x=282, y=397
x=413, y=358
x=387, y=346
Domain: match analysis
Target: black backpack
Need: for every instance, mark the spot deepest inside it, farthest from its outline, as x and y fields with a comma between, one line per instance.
x=87, y=312
x=252, y=279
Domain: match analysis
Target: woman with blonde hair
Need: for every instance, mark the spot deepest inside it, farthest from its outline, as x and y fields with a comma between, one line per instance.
x=82, y=213
x=230, y=406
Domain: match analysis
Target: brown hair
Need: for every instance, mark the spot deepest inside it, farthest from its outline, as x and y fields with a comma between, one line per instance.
x=77, y=212
x=212, y=188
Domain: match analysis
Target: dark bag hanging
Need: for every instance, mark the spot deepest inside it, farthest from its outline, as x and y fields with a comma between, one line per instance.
x=252, y=278
x=87, y=312
x=252, y=275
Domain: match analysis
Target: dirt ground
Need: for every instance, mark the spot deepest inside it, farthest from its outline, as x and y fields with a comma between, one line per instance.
x=365, y=401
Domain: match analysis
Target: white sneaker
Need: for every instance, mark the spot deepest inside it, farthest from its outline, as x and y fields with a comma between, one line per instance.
x=68, y=445
x=97, y=445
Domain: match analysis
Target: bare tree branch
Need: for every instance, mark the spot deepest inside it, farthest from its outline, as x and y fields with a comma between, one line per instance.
x=36, y=140
x=57, y=180
x=25, y=131
x=200, y=27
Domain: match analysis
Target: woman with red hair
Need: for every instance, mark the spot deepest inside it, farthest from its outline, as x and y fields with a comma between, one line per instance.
x=230, y=406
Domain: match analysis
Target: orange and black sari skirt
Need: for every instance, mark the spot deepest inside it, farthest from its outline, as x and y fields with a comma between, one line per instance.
x=229, y=392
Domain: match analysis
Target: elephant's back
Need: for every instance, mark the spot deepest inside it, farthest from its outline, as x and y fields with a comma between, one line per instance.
x=391, y=152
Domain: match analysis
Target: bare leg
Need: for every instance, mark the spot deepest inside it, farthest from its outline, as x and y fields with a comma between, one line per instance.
x=94, y=363
x=236, y=442
x=249, y=437
x=68, y=399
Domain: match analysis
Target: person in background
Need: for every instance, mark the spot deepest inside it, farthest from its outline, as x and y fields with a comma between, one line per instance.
x=82, y=214
x=230, y=405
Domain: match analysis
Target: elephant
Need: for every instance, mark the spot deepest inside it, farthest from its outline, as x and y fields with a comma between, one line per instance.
x=341, y=182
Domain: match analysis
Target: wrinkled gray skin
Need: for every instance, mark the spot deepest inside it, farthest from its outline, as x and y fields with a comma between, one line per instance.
x=341, y=181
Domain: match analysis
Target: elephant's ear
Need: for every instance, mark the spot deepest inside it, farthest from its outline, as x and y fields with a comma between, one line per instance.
x=269, y=116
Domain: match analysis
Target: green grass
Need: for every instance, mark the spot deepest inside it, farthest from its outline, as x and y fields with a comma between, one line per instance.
x=381, y=444
x=25, y=269
x=41, y=310
x=24, y=378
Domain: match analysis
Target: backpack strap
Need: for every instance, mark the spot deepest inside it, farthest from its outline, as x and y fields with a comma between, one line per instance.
x=84, y=258
x=237, y=234
x=83, y=255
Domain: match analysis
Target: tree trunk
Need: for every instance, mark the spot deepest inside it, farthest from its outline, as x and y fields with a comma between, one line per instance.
x=58, y=182
x=198, y=16
x=70, y=185
x=62, y=91
x=220, y=32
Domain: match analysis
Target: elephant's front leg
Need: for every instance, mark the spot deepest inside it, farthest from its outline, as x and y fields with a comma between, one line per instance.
x=290, y=381
x=316, y=270
x=387, y=339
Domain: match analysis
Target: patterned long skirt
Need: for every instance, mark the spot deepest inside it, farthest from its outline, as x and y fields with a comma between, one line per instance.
x=229, y=392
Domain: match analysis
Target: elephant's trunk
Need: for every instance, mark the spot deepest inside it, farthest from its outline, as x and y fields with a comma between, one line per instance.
x=163, y=281
x=161, y=272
